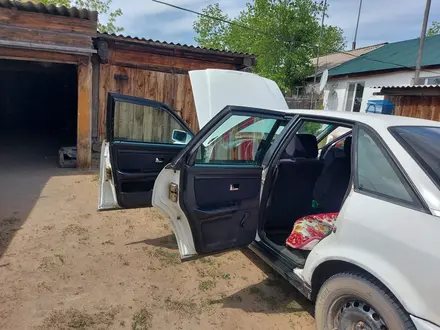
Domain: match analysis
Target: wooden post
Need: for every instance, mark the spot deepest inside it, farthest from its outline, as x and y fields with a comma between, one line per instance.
x=84, y=139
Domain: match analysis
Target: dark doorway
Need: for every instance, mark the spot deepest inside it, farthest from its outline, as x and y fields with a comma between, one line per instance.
x=38, y=112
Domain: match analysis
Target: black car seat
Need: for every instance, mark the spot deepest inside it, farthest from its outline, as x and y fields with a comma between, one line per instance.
x=292, y=191
x=332, y=185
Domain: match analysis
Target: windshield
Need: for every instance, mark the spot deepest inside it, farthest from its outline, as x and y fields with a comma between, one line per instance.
x=423, y=144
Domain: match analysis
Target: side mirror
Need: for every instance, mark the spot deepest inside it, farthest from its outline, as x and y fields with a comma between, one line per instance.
x=180, y=137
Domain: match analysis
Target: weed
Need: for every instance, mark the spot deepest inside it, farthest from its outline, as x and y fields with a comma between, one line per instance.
x=182, y=307
x=165, y=257
x=142, y=320
x=48, y=227
x=226, y=276
x=109, y=242
x=9, y=220
x=75, y=319
x=207, y=285
x=208, y=260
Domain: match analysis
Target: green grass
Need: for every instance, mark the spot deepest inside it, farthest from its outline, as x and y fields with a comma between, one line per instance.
x=207, y=285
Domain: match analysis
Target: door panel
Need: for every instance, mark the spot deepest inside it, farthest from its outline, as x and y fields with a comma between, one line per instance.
x=143, y=136
x=223, y=205
x=138, y=166
x=220, y=180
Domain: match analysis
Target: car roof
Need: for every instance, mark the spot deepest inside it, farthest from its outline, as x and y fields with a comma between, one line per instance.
x=370, y=119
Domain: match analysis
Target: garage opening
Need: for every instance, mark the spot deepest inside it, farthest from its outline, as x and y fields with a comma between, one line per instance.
x=38, y=112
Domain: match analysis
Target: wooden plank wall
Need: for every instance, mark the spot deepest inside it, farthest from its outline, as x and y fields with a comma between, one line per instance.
x=46, y=29
x=170, y=88
x=425, y=107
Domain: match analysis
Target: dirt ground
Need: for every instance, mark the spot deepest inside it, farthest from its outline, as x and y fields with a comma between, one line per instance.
x=63, y=265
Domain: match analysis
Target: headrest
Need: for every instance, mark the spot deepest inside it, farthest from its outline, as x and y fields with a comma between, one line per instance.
x=347, y=146
x=303, y=146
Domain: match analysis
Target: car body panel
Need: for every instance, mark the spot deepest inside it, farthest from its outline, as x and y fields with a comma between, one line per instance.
x=215, y=89
x=390, y=242
x=422, y=324
x=177, y=218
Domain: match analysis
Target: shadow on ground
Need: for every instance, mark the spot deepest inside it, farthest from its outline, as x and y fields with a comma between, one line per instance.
x=167, y=241
x=24, y=172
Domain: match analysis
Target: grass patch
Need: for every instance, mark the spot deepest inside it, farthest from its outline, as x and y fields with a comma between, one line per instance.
x=207, y=285
x=208, y=260
x=182, y=307
x=165, y=257
x=75, y=319
x=142, y=320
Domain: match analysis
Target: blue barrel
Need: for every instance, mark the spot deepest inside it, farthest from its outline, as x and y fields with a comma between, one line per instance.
x=380, y=106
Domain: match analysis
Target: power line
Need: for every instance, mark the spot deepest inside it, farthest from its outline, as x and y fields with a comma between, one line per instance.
x=283, y=39
x=222, y=20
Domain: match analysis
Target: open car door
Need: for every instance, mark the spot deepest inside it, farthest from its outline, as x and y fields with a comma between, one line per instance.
x=142, y=137
x=211, y=190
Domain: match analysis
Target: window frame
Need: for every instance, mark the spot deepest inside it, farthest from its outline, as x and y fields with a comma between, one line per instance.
x=111, y=109
x=418, y=203
x=188, y=155
x=435, y=178
x=354, y=94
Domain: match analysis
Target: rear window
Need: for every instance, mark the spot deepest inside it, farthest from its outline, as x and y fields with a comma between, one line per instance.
x=423, y=144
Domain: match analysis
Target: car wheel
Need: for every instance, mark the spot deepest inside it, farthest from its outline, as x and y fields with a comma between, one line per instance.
x=356, y=301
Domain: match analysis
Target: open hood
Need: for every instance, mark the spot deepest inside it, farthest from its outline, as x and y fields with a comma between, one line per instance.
x=213, y=90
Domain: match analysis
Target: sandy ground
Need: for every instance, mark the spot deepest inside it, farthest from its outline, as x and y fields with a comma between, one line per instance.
x=63, y=265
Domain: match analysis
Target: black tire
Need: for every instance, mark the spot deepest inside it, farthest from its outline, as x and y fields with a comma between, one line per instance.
x=357, y=286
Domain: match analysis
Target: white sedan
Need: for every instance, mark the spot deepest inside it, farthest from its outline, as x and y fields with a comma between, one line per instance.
x=349, y=220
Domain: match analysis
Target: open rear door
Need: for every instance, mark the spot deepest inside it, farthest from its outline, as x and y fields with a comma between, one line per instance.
x=142, y=137
x=211, y=191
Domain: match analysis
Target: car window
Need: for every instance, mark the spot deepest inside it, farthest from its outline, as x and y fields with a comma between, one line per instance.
x=376, y=174
x=237, y=141
x=141, y=123
x=423, y=144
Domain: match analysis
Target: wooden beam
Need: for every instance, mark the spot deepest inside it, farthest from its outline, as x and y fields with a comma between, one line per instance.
x=84, y=139
x=37, y=55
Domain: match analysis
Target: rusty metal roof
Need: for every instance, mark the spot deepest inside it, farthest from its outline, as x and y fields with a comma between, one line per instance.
x=173, y=45
x=50, y=9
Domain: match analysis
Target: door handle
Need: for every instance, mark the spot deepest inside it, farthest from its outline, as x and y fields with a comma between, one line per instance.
x=159, y=160
x=234, y=187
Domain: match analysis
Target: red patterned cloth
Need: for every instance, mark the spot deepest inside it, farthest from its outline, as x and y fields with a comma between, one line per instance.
x=309, y=230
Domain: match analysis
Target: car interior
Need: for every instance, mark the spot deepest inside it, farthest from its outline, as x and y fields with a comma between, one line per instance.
x=307, y=181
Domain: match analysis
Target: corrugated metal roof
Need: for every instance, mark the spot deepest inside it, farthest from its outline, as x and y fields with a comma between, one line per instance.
x=409, y=86
x=173, y=45
x=50, y=9
x=396, y=55
x=332, y=60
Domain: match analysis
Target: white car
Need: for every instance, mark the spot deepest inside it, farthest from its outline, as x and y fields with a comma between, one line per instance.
x=353, y=226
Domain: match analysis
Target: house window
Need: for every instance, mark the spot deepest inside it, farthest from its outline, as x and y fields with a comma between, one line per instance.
x=432, y=80
x=355, y=91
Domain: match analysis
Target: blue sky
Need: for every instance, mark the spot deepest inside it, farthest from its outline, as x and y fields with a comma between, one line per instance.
x=381, y=20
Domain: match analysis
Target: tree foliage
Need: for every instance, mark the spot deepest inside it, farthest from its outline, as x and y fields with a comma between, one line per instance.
x=283, y=34
x=434, y=29
x=101, y=6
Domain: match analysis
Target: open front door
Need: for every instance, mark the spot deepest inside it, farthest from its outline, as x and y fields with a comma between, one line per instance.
x=211, y=192
x=142, y=137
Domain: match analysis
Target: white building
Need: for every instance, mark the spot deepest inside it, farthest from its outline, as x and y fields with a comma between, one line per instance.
x=352, y=84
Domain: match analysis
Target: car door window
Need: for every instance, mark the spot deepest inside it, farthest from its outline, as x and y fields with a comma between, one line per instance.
x=378, y=175
x=143, y=123
x=238, y=140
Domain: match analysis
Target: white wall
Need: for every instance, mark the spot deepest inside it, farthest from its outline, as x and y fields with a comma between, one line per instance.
x=339, y=86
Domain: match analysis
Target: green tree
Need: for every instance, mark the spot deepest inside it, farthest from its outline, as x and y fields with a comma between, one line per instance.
x=101, y=6
x=283, y=34
x=434, y=29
